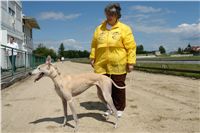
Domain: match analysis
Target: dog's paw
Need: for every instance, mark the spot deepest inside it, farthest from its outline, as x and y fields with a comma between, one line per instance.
x=116, y=125
x=75, y=129
x=106, y=116
x=64, y=124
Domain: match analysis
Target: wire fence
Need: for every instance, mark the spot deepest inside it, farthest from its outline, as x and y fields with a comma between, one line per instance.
x=177, y=66
x=15, y=61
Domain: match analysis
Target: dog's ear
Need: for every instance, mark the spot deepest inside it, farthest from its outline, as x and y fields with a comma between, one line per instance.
x=48, y=60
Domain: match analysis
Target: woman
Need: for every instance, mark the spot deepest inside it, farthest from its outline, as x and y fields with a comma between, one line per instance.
x=113, y=53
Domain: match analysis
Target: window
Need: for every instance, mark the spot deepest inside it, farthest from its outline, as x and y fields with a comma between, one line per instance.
x=11, y=11
x=4, y=5
x=18, y=13
x=31, y=33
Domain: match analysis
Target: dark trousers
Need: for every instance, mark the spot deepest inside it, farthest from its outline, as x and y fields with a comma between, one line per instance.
x=118, y=95
x=13, y=62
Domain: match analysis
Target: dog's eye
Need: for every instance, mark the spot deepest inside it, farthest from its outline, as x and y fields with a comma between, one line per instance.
x=39, y=68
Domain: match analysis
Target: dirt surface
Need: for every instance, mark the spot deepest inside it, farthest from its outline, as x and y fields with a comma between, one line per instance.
x=156, y=103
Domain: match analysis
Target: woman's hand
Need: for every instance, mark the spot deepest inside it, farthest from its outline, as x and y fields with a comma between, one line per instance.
x=92, y=62
x=130, y=67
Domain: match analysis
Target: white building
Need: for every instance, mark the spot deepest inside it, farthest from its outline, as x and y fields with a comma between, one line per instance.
x=13, y=23
x=28, y=24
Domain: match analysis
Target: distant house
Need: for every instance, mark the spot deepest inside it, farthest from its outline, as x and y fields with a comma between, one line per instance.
x=195, y=48
x=156, y=53
x=13, y=23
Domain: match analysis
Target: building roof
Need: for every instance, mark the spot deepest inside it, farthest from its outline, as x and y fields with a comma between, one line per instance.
x=196, y=48
x=31, y=21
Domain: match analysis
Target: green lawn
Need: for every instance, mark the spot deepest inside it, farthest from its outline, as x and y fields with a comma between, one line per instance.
x=189, y=70
x=172, y=69
x=170, y=66
x=163, y=58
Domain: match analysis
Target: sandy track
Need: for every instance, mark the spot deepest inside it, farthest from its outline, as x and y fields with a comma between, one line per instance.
x=155, y=103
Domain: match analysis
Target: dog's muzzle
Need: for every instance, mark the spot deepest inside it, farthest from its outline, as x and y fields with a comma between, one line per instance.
x=30, y=73
x=39, y=76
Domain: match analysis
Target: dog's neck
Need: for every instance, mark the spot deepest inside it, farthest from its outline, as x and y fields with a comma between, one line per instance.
x=56, y=78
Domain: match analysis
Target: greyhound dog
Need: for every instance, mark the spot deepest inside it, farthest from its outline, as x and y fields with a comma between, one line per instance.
x=68, y=86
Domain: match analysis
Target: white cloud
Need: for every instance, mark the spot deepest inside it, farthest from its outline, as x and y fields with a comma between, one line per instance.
x=145, y=9
x=137, y=17
x=149, y=29
x=69, y=44
x=187, y=28
x=170, y=37
x=157, y=30
x=57, y=16
x=156, y=23
x=190, y=32
x=184, y=28
x=147, y=15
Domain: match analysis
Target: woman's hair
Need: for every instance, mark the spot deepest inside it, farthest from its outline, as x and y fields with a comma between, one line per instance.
x=114, y=7
x=12, y=38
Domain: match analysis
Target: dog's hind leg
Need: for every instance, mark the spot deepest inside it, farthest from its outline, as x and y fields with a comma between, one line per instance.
x=71, y=105
x=110, y=103
x=101, y=97
x=64, y=102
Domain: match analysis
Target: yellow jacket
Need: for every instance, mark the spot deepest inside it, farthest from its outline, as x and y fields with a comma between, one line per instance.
x=113, y=49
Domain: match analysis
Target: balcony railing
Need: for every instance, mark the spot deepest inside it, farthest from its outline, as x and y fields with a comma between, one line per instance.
x=12, y=64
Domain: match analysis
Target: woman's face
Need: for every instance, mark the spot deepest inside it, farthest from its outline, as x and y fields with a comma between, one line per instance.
x=111, y=17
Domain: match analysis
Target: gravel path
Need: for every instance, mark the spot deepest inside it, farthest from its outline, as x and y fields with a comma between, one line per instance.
x=156, y=103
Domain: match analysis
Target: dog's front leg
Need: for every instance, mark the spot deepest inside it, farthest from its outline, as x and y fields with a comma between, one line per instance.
x=71, y=105
x=64, y=102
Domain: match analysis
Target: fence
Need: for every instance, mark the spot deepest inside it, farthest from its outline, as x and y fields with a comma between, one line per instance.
x=188, y=66
x=15, y=61
x=182, y=67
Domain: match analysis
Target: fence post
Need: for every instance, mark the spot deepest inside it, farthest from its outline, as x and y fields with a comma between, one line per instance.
x=12, y=63
x=34, y=61
x=25, y=62
x=7, y=59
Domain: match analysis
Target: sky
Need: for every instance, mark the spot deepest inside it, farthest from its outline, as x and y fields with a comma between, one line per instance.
x=172, y=24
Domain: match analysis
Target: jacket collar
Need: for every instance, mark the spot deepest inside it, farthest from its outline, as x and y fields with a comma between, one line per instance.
x=113, y=27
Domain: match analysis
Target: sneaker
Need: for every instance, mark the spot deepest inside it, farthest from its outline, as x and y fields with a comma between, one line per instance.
x=119, y=113
x=107, y=113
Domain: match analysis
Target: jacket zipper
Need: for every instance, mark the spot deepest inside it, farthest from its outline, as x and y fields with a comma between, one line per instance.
x=107, y=52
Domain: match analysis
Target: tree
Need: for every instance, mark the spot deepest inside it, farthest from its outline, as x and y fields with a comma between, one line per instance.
x=189, y=46
x=180, y=51
x=61, y=50
x=41, y=50
x=76, y=54
x=162, y=50
x=188, y=49
x=140, y=49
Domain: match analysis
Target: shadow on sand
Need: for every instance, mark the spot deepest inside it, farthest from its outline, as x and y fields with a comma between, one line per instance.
x=87, y=105
x=60, y=120
x=94, y=106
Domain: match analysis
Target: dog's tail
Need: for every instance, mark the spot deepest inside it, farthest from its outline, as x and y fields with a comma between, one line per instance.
x=117, y=85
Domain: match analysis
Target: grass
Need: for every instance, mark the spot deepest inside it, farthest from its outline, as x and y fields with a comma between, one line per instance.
x=186, y=70
x=164, y=68
x=81, y=60
x=189, y=67
x=164, y=58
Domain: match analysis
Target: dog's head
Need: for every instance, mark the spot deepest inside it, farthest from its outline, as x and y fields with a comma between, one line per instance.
x=47, y=69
